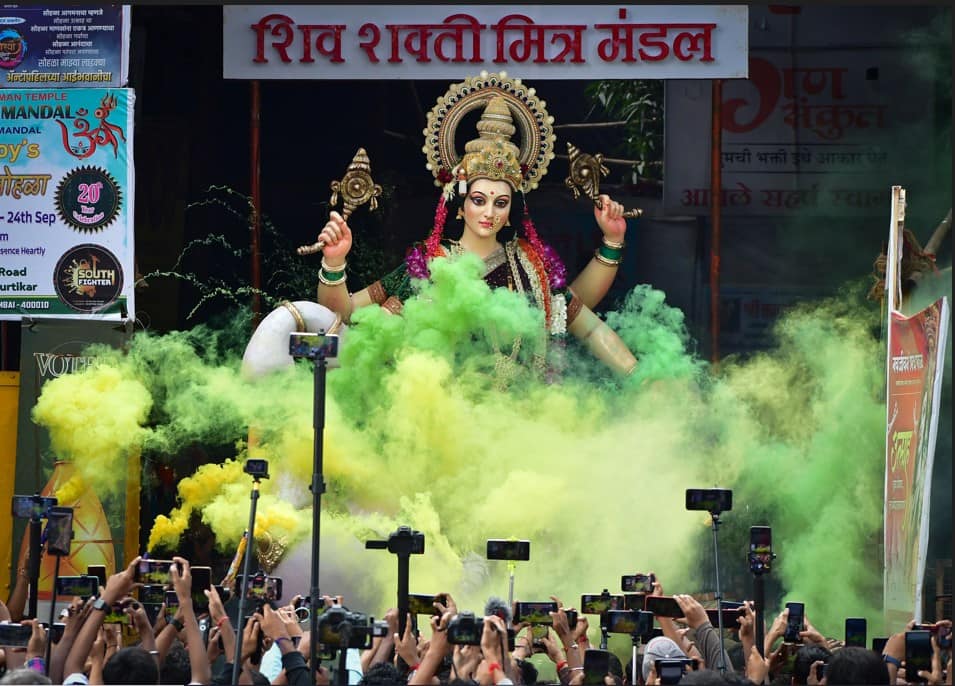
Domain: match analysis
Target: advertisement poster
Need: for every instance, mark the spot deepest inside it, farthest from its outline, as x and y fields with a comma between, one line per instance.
x=915, y=367
x=48, y=47
x=66, y=194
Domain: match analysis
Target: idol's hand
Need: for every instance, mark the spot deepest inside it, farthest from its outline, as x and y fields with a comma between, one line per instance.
x=337, y=239
x=610, y=219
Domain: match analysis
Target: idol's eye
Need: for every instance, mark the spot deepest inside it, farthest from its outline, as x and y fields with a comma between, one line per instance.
x=502, y=202
x=477, y=200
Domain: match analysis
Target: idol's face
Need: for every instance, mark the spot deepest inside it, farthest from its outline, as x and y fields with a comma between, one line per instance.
x=486, y=207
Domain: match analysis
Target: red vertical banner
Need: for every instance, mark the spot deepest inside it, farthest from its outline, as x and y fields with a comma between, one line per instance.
x=915, y=367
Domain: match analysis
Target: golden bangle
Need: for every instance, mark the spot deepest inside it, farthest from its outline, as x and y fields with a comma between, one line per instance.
x=333, y=270
x=612, y=245
x=328, y=282
x=597, y=256
x=296, y=315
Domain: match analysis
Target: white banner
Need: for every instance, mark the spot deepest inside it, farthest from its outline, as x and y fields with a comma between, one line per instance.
x=453, y=42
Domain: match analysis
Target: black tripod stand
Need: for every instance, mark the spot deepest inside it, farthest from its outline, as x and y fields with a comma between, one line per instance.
x=761, y=558
x=59, y=540
x=404, y=542
x=714, y=501
x=719, y=593
x=258, y=469
x=641, y=633
x=319, y=348
x=33, y=571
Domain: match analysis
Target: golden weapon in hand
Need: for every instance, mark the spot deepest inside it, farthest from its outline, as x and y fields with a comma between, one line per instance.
x=356, y=188
x=585, y=173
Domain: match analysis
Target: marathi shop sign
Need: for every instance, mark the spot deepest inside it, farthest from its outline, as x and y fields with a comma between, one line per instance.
x=450, y=42
x=66, y=191
x=813, y=131
x=48, y=47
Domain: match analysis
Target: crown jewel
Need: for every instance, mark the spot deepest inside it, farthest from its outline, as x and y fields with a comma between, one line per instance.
x=492, y=155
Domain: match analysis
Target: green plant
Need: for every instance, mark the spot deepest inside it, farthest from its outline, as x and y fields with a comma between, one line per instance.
x=640, y=104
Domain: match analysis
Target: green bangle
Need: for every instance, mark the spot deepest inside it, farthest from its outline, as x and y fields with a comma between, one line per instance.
x=610, y=253
x=331, y=278
x=609, y=261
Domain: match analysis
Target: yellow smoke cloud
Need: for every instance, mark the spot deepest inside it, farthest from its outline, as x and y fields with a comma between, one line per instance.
x=95, y=418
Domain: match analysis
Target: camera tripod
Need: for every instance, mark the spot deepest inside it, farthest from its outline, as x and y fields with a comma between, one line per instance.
x=403, y=543
x=257, y=476
x=715, y=515
x=759, y=572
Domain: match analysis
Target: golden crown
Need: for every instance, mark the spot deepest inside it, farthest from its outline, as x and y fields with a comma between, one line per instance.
x=508, y=106
x=492, y=155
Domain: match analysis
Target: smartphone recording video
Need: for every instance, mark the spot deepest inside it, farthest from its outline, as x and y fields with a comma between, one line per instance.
x=633, y=601
x=760, y=549
x=83, y=586
x=153, y=572
x=15, y=635
x=632, y=622
x=637, y=583
x=59, y=531
x=596, y=666
x=201, y=582
x=57, y=633
x=663, y=606
x=501, y=549
x=731, y=612
x=172, y=605
x=534, y=612
x=31, y=506
x=116, y=615
x=598, y=603
x=99, y=571
x=152, y=594
x=670, y=671
x=709, y=499
x=856, y=632
x=918, y=654
x=795, y=623
x=422, y=604
x=261, y=588
x=313, y=346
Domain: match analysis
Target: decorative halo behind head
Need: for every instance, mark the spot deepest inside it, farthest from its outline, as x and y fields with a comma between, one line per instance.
x=512, y=101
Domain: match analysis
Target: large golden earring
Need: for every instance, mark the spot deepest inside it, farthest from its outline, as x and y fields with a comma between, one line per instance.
x=460, y=214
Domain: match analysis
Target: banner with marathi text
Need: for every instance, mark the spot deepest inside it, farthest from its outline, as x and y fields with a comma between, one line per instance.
x=586, y=41
x=66, y=203
x=916, y=357
x=47, y=47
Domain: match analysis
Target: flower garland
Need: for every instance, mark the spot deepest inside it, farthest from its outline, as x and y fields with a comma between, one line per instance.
x=556, y=271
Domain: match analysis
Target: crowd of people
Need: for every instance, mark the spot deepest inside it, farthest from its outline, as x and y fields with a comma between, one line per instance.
x=186, y=647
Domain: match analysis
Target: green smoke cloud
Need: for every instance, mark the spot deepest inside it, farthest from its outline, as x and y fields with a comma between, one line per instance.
x=591, y=468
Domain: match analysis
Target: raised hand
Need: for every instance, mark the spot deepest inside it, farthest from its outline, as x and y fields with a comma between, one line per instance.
x=336, y=235
x=610, y=219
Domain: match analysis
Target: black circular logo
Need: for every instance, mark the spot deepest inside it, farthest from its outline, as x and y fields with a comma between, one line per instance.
x=88, y=278
x=88, y=199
